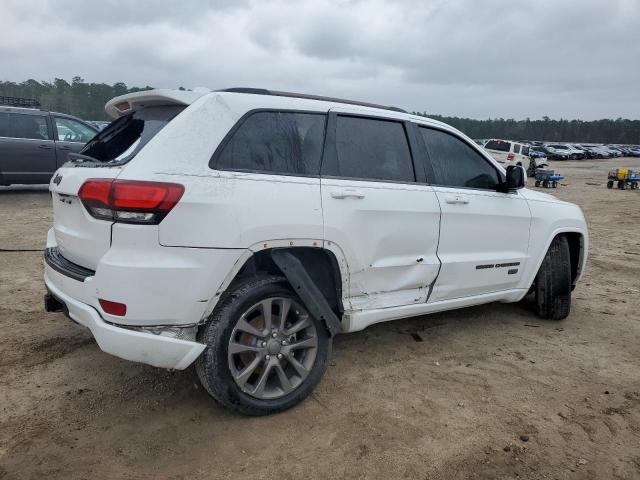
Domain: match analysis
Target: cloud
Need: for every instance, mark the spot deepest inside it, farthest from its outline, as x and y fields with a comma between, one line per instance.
x=495, y=58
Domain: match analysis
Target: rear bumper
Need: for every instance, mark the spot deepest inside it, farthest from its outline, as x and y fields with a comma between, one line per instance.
x=132, y=345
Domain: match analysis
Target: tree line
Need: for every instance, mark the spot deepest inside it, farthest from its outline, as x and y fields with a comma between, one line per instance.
x=620, y=130
x=86, y=100
x=79, y=98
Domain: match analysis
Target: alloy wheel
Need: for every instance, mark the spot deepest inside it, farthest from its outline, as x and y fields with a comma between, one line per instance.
x=272, y=348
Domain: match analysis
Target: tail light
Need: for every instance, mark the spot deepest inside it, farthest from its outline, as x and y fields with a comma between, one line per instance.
x=510, y=157
x=129, y=201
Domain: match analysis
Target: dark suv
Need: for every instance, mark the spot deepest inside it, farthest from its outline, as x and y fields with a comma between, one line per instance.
x=35, y=142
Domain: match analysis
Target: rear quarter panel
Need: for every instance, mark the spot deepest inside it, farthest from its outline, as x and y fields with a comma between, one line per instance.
x=225, y=209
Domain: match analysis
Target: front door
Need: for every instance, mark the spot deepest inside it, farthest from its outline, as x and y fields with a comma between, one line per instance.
x=383, y=221
x=484, y=234
x=71, y=136
x=27, y=153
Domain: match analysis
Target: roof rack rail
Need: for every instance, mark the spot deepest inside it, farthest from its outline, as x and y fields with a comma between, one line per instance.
x=264, y=91
x=19, y=102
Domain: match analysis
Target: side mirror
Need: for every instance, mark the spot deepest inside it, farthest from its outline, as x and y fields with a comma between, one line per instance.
x=516, y=178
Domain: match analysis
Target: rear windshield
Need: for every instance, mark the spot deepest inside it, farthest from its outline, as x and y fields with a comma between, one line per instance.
x=125, y=137
x=498, y=145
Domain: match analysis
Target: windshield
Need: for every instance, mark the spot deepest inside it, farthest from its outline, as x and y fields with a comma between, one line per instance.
x=127, y=135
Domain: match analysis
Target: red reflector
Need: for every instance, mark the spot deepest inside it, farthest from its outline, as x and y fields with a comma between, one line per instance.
x=113, y=308
x=145, y=196
x=510, y=157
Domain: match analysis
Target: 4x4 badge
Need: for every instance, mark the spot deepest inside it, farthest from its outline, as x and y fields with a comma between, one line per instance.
x=57, y=179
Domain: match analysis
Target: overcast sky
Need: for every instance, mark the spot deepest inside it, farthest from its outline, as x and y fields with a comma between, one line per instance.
x=475, y=58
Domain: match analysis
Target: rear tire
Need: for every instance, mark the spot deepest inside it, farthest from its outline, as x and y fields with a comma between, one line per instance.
x=263, y=391
x=553, y=282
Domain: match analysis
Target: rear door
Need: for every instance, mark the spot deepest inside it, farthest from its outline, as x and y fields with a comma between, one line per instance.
x=484, y=234
x=383, y=218
x=70, y=136
x=27, y=152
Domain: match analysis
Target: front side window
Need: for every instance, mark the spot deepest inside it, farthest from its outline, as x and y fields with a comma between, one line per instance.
x=456, y=164
x=20, y=125
x=371, y=149
x=72, y=131
x=275, y=142
x=525, y=150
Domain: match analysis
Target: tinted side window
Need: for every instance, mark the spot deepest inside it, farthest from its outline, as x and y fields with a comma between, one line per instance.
x=516, y=148
x=5, y=131
x=456, y=164
x=525, y=150
x=71, y=131
x=27, y=126
x=371, y=149
x=276, y=142
x=498, y=145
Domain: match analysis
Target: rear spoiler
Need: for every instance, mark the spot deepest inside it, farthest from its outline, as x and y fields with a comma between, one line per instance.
x=124, y=104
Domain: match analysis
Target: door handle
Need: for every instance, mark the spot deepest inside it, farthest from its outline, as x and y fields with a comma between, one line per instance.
x=64, y=147
x=457, y=199
x=45, y=147
x=347, y=193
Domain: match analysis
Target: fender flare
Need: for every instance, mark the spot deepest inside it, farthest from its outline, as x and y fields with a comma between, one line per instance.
x=307, y=290
x=582, y=258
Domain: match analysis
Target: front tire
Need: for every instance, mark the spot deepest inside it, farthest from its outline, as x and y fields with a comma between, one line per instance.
x=258, y=365
x=553, y=282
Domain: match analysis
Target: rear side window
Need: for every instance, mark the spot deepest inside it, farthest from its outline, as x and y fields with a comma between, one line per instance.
x=516, y=148
x=371, y=149
x=456, y=164
x=127, y=135
x=19, y=125
x=275, y=142
x=525, y=150
x=498, y=145
x=5, y=131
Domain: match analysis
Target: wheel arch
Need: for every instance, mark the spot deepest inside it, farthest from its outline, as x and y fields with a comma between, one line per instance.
x=577, y=250
x=323, y=267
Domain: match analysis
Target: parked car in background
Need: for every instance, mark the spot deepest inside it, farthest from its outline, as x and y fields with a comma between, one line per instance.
x=600, y=151
x=508, y=153
x=612, y=151
x=99, y=124
x=536, y=151
x=295, y=218
x=575, y=153
x=634, y=152
x=35, y=142
x=557, y=152
x=585, y=152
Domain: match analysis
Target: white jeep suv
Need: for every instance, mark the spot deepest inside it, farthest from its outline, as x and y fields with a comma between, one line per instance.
x=243, y=229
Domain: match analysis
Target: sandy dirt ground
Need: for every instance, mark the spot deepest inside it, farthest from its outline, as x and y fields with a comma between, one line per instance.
x=446, y=396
